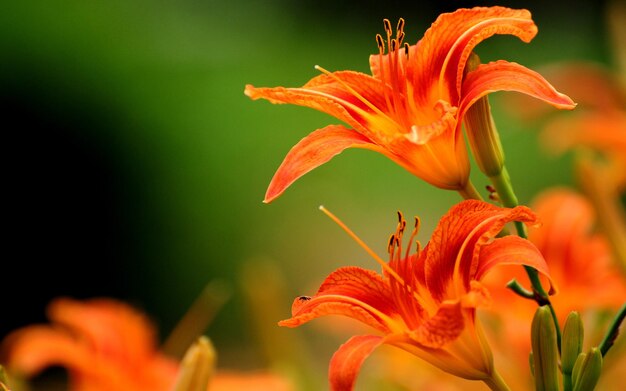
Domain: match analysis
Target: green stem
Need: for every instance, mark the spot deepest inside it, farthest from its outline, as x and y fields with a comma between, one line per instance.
x=567, y=382
x=470, y=192
x=504, y=188
x=520, y=290
x=613, y=331
x=496, y=383
x=502, y=184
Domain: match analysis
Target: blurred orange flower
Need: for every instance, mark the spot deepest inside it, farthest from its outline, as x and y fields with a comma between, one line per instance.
x=107, y=345
x=425, y=303
x=580, y=259
x=598, y=136
x=104, y=344
x=602, y=131
x=582, y=266
x=411, y=107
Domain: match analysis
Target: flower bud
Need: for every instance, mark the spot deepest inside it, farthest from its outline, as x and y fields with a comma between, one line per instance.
x=3, y=379
x=482, y=133
x=197, y=367
x=544, y=348
x=587, y=370
x=572, y=342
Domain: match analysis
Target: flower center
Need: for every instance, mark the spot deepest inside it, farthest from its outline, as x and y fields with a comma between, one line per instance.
x=419, y=122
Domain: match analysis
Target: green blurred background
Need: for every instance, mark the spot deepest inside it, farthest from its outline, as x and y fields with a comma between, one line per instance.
x=135, y=166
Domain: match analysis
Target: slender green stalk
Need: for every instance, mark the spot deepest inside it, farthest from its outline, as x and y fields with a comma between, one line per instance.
x=470, y=192
x=502, y=184
x=613, y=331
x=520, y=290
x=504, y=188
x=567, y=383
x=496, y=382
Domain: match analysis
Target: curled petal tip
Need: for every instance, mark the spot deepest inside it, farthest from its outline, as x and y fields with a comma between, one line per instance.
x=251, y=92
x=272, y=194
x=247, y=89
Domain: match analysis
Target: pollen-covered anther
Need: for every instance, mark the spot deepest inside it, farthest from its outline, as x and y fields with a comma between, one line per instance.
x=400, y=26
x=493, y=194
x=393, y=46
x=416, y=228
x=401, y=224
x=380, y=43
x=391, y=244
x=387, y=25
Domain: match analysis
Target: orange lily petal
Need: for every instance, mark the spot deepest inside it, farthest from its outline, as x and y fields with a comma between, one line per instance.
x=458, y=238
x=339, y=84
x=444, y=327
x=443, y=52
x=312, y=151
x=334, y=94
x=34, y=348
x=566, y=218
x=591, y=85
x=604, y=131
x=509, y=76
x=302, y=97
x=512, y=250
x=109, y=325
x=350, y=291
x=346, y=362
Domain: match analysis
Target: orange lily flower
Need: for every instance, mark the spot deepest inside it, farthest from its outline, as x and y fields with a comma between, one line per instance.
x=107, y=345
x=411, y=108
x=424, y=303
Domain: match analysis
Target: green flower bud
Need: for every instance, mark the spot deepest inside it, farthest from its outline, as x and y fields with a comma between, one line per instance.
x=587, y=370
x=197, y=367
x=572, y=342
x=482, y=133
x=545, y=351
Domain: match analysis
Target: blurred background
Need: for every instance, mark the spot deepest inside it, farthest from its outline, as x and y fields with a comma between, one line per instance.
x=135, y=167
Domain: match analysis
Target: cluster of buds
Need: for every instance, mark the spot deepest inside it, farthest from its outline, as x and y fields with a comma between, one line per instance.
x=580, y=370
